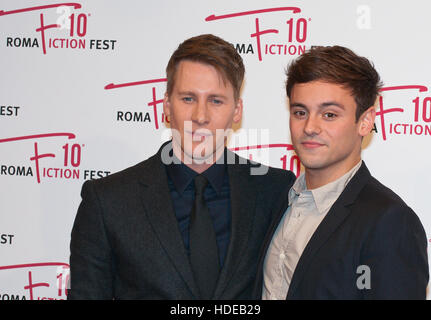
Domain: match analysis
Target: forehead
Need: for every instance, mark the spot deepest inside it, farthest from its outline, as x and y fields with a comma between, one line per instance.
x=318, y=92
x=197, y=75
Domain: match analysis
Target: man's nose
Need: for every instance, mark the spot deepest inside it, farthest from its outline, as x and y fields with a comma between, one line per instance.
x=200, y=113
x=312, y=126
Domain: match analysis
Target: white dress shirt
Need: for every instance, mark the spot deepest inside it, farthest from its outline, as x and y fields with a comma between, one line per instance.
x=306, y=210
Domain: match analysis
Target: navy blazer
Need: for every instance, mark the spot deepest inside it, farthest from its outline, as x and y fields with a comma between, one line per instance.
x=368, y=225
x=126, y=243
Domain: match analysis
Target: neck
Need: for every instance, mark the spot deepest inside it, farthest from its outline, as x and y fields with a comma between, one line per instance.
x=316, y=178
x=199, y=168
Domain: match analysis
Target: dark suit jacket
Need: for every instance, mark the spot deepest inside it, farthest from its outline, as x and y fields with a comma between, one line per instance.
x=126, y=243
x=367, y=225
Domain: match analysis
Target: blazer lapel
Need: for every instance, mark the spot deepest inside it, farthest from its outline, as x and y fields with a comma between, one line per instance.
x=243, y=196
x=160, y=212
x=336, y=215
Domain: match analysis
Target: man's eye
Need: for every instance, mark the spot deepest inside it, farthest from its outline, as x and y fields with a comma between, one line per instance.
x=216, y=101
x=187, y=99
x=329, y=115
x=299, y=113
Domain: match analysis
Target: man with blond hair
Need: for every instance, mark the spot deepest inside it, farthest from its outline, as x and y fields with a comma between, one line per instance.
x=188, y=222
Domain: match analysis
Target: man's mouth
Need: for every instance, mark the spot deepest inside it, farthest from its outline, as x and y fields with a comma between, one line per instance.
x=311, y=144
x=200, y=135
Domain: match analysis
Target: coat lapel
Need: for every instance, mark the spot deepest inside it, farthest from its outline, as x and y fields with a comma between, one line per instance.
x=160, y=212
x=336, y=215
x=243, y=196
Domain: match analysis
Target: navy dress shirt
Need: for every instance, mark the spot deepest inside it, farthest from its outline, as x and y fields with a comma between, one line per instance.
x=216, y=195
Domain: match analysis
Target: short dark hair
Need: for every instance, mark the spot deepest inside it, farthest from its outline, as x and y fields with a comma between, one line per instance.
x=211, y=50
x=341, y=66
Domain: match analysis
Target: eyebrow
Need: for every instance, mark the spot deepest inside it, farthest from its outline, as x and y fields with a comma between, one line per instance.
x=186, y=93
x=217, y=96
x=190, y=93
x=321, y=106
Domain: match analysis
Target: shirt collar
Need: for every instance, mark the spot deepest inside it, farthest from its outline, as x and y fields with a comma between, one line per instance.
x=181, y=175
x=324, y=196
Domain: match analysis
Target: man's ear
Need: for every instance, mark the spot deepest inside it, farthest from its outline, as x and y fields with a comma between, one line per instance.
x=366, y=121
x=238, y=111
x=166, y=105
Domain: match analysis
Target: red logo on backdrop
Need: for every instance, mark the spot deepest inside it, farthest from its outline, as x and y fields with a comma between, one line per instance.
x=287, y=39
x=40, y=281
x=52, y=35
x=142, y=116
x=281, y=155
x=412, y=118
x=69, y=153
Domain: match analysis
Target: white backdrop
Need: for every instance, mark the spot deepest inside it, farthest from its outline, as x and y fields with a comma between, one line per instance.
x=81, y=85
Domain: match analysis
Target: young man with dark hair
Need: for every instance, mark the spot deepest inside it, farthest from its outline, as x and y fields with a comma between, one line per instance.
x=342, y=234
x=188, y=222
